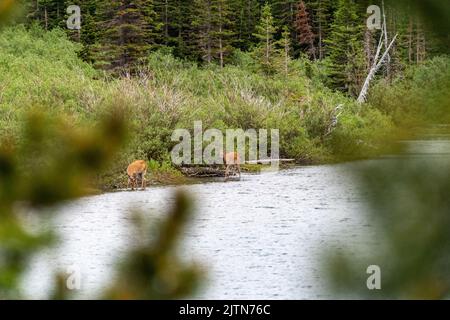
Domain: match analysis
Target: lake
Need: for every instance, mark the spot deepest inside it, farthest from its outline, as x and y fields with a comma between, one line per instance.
x=259, y=238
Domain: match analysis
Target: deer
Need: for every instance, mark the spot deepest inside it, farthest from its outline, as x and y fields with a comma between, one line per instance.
x=135, y=170
x=231, y=159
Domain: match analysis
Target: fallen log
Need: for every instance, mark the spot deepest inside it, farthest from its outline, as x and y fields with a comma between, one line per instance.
x=265, y=161
x=202, y=171
x=211, y=171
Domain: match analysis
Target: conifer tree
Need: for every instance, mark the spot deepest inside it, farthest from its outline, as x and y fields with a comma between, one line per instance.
x=245, y=18
x=283, y=11
x=264, y=33
x=284, y=48
x=173, y=25
x=127, y=33
x=305, y=34
x=212, y=29
x=321, y=12
x=223, y=32
x=345, y=47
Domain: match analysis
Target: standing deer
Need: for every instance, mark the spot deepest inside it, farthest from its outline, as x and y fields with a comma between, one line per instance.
x=231, y=159
x=136, y=170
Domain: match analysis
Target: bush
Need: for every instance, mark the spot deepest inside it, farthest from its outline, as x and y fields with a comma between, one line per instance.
x=420, y=95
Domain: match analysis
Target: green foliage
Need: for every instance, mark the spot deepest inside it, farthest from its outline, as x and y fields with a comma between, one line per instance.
x=51, y=163
x=42, y=68
x=212, y=27
x=364, y=134
x=420, y=95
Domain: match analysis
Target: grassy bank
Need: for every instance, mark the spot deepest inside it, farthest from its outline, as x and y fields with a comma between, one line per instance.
x=40, y=69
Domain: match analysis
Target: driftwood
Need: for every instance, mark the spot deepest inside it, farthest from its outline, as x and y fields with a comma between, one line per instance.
x=267, y=161
x=202, y=171
x=211, y=171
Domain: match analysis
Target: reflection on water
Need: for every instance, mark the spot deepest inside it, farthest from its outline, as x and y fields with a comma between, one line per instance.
x=259, y=238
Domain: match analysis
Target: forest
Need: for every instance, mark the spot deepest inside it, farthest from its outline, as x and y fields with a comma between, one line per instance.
x=78, y=104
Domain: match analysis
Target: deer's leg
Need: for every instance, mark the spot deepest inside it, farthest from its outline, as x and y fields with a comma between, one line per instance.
x=128, y=183
x=227, y=172
x=239, y=170
x=143, y=181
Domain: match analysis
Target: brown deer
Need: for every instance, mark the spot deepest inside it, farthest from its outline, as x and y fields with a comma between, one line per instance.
x=231, y=159
x=135, y=170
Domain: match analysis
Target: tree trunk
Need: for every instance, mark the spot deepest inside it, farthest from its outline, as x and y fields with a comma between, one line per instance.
x=320, y=31
x=220, y=38
x=45, y=18
x=208, y=36
x=386, y=43
x=410, y=41
x=166, y=21
x=267, y=44
x=377, y=65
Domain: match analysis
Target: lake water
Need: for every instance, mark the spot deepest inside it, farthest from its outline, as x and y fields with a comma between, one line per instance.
x=259, y=238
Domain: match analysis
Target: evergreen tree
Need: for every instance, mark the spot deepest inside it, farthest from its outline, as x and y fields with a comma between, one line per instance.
x=321, y=12
x=223, y=31
x=283, y=12
x=127, y=33
x=88, y=35
x=264, y=33
x=173, y=25
x=212, y=29
x=245, y=17
x=304, y=30
x=284, y=50
x=345, y=47
x=118, y=34
x=47, y=13
x=181, y=27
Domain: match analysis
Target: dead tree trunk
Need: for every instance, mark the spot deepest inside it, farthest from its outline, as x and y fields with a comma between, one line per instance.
x=376, y=66
x=378, y=62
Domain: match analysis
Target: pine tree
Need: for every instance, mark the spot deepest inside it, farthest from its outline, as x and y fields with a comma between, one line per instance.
x=264, y=33
x=284, y=50
x=212, y=27
x=284, y=13
x=345, y=48
x=244, y=19
x=48, y=13
x=88, y=35
x=127, y=33
x=173, y=27
x=304, y=30
x=321, y=12
x=180, y=25
x=223, y=31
